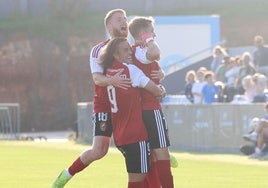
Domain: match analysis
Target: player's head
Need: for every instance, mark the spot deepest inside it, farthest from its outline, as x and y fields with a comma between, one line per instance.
x=141, y=25
x=117, y=49
x=116, y=23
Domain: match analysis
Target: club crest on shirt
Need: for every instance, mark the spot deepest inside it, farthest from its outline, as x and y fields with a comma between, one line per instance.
x=103, y=126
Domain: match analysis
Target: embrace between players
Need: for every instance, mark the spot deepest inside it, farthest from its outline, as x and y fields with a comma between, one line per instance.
x=127, y=104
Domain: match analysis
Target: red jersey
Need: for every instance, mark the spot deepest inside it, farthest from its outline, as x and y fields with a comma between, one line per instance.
x=100, y=101
x=128, y=126
x=149, y=101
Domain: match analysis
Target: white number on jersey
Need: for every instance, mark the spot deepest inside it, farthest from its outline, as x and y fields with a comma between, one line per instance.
x=112, y=98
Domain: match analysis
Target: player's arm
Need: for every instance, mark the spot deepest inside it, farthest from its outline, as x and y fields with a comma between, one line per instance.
x=153, y=52
x=157, y=90
x=102, y=80
x=142, y=81
x=150, y=52
x=158, y=74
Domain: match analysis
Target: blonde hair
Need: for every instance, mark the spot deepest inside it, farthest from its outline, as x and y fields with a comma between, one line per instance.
x=138, y=23
x=188, y=74
x=111, y=13
x=220, y=49
x=247, y=80
x=246, y=54
x=258, y=39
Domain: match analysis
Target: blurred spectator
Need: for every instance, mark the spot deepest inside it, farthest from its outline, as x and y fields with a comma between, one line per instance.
x=259, y=135
x=231, y=74
x=198, y=86
x=221, y=96
x=218, y=54
x=221, y=70
x=260, y=55
x=190, y=79
x=249, y=87
x=210, y=90
x=246, y=68
x=261, y=85
x=203, y=69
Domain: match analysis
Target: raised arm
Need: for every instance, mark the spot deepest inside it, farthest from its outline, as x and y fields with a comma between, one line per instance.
x=153, y=52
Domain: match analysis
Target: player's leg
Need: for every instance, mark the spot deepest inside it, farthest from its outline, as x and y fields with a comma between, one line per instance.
x=152, y=178
x=99, y=149
x=136, y=180
x=163, y=167
x=137, y=160
x=159, y=142
x=102, y=133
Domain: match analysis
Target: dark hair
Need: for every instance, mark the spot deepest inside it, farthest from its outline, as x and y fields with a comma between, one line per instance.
x=208, y=74
x=107, y=56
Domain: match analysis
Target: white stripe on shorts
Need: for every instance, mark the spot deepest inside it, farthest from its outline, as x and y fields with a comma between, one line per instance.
x=144, y=160
x=160, y=128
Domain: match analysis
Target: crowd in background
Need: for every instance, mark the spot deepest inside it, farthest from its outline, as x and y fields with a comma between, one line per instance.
x=239, y=79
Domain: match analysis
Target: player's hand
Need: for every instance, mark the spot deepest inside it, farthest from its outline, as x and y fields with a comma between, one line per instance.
x=117, y=81
x=140, y=42
x=163, y=92
x=147, y=37
x=158, y=75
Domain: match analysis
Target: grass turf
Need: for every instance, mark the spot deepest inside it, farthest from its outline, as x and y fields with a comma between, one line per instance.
x=37, y=164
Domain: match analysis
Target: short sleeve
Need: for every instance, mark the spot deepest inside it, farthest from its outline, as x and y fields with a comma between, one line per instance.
x=140, y=54
x=94, y=62
x=137, y=77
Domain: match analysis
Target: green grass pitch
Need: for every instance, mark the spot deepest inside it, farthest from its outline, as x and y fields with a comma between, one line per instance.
x=37, y=164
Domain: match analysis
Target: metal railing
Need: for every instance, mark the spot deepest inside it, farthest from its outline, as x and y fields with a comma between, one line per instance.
x=215, y=127
x=193, y=58
x=9, y=120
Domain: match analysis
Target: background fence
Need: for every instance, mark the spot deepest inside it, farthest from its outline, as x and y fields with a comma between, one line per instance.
x=9, y=120
x=217, y=127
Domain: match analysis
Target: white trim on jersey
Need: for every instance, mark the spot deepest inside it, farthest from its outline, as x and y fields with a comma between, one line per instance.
x=140, y=54
x=137, y=77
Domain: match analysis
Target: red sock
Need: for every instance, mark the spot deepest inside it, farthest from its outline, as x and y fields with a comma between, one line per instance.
x=138, y=184
x=164, y=172
x=152, y=178
x=76, y=167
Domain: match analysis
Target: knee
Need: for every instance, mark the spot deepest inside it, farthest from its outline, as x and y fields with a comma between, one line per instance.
x=161, y=153
x=100, y=152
